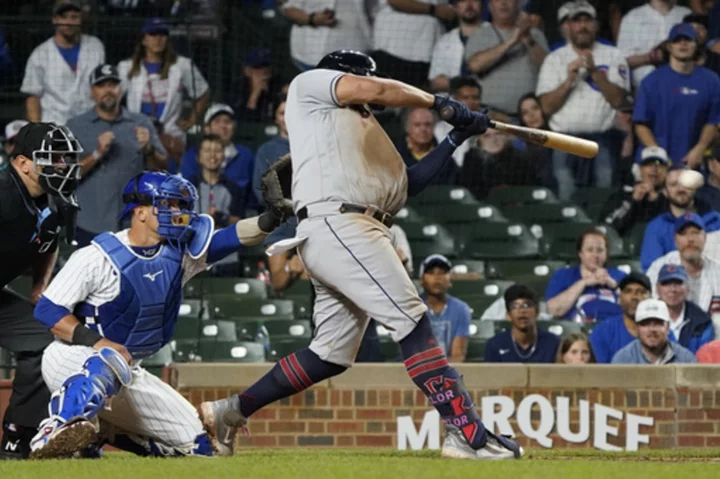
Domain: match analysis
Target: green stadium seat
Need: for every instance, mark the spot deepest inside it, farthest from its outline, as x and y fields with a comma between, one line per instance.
x=478, y=304
x=241, y=287
x=190, y=308
x=288, y=328
x=538, y=213
x=485, y=288
x=481, y=329
x=252, y=330
x=188, y=328
x=406, y=215
x=389, y=349
x=250, y=308
x=442, y=195
x=522, y=269
x=230, y=351
x=626, y=265
x=429, y=238
x=282, y=347
x=299, y=288
x=154, y=364
x=476, y=350
x=560, y=240
x=634, y=240
x=302, y=307
x=558, y=327
x=468, y=266
x=184, y=351
x=218, y=330
x=592, y=199
x=502, y=196
x=496, y=241
x=450, y=214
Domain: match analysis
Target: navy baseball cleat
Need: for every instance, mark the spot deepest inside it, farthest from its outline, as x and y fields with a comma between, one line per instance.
x=221, y=420
x=496, y=447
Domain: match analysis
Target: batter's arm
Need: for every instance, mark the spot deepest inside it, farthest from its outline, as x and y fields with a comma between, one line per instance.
x=247, y=232
x=357, y=90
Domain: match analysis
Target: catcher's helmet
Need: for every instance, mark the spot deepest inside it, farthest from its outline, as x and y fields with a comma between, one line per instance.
x=55, y=153
x=172, y=198
x=349, y=61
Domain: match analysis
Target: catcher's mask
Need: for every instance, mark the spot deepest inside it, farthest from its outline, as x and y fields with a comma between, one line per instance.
x=55, y=153
x=172, y=198
x=351, y=61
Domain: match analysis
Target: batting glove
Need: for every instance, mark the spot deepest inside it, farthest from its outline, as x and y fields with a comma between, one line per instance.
x=453, y=112
x=479, y=124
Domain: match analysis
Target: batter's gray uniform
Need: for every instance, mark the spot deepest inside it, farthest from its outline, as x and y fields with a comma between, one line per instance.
x=342, y=156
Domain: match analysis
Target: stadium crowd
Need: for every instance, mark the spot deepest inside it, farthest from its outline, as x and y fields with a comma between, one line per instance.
x=638, y=282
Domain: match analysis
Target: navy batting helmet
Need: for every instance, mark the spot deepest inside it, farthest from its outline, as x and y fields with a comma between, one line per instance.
x=349, y=61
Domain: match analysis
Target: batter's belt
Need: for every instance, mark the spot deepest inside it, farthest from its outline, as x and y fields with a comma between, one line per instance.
x=382, y=216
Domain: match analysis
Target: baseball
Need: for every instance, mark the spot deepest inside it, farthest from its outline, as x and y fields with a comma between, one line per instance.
x=691, y=179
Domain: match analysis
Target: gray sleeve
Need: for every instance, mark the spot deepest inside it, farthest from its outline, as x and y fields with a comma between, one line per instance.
x=539, y=38
x=318, y=87
x=33, y=83
x=483, y=39
x=154, y=137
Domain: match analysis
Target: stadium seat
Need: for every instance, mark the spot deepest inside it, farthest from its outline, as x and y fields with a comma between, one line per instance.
x=558, y=327
x=560, y=240
x=190, y=308
x=592, y=199
x=299, y=288
x=288, y=328
x=483, y=288
x=241, y=287
x=154, y=364
x=634, y=240
x=230, y=351
x=469, y=267
x=496, y=241
x=450, y=214
x=522, y=269
x=626, y=265
x=282, y=347
x=188, y=328
x=502, y=196
x=302, y=307
x=442, y=195
x=184, y=351
x=538, y=213
x=481, y=329
x=252, y=330
x=250, y=308
x=476, y=350
x=406, y=215
x=218, y=330
x=429, y=238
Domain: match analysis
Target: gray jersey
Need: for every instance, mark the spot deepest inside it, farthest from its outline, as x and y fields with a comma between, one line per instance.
x=339, y=154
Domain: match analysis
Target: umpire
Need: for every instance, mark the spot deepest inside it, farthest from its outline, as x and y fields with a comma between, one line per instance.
x=37, y=198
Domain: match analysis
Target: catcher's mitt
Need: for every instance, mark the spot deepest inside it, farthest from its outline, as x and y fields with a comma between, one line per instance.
x=276, y=188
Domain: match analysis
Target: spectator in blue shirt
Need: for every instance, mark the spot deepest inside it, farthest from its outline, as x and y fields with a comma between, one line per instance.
x=524, y=342
x=270, y=151
x=653, y=345
x=613, y=334
x=710, y=192
x=678, y=105
x=586, y=291
x=449, y=316
x=688, y=322
x=239, y=160
x=659, y=236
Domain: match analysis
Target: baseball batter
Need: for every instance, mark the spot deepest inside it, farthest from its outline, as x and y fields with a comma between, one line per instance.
x=126, y=288
x=348, y=182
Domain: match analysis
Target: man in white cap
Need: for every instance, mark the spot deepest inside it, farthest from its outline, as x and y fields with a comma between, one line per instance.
x=11, y=131
x=653, y=345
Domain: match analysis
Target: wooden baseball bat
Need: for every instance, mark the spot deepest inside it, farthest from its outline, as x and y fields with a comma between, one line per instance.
x=550, y=139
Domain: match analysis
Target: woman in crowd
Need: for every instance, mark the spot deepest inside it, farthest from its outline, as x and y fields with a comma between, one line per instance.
x=585, y=292
x=155, y=79
x=575, y=349
x=532, y=116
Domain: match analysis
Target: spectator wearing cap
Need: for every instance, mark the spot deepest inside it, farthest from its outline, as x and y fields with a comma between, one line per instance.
x=506, y=55
x=703, y=273
x=238, y=161
x=642, y=200
x=704, y=56
x=11, y=131
x=155, y=79
x=678, y=105
x=653, y=344
x=524, y=342
x=585, y=292
x=404, y=35
x=690, y=324
x=563, y=20
x=450, y=317
x=710, y=191
x=614, y=333
x=550, y=15
x=57, y=72
x=257, y=94
x=658, y=239
x=277, y=146
x=118, y=145
x=322, y=26
x=579, y=87
x=448, y=59
x=642, y=35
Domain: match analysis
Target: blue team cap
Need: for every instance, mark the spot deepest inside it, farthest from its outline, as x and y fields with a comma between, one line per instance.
x=672, y=272
x=155, y=25
x=689, y=219
x=682, y=30
x=433, y=261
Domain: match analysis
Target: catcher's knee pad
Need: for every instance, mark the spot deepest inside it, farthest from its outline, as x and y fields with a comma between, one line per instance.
x=84, y=394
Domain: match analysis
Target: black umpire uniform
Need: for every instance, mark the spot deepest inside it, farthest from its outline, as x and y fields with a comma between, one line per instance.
x=30, y=227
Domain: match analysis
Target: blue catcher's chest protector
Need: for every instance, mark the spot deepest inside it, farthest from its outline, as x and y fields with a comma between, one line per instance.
x=143, y=315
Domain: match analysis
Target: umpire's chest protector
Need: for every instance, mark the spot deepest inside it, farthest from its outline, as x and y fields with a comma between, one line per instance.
x=143, y=315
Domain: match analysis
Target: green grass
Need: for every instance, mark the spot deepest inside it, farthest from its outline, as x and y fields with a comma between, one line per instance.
x=365, y=463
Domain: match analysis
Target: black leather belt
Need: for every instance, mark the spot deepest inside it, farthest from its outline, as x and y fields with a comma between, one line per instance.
x=383, y=217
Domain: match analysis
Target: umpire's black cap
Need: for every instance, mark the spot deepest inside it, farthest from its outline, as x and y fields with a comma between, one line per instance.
x=349, y=61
